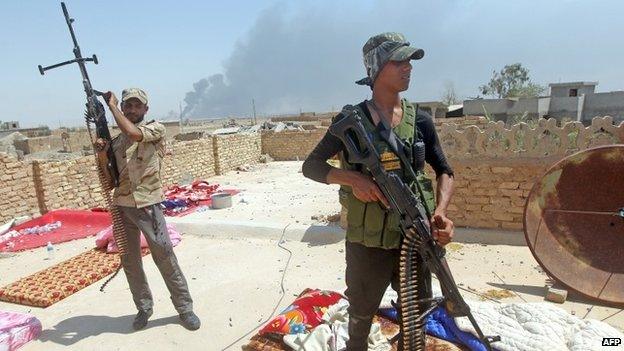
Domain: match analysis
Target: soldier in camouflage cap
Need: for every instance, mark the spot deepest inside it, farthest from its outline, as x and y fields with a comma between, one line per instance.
x=385, y=47
x=373, y=234
x=139, y=150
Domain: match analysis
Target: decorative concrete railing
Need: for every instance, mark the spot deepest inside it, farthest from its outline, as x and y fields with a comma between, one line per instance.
x=522, y=140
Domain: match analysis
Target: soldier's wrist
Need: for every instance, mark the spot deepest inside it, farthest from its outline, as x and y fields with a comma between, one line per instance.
x=441, y=212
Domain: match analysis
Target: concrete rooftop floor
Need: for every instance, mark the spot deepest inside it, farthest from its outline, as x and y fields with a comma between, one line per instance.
x=234, y=267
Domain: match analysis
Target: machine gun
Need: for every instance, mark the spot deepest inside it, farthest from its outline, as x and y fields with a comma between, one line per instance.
x=417, y=238
x=95, y=112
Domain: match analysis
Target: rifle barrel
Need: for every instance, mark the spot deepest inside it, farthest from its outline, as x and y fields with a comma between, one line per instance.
x=69, y=24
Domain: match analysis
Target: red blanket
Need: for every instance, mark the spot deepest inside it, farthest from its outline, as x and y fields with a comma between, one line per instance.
x=74, y=224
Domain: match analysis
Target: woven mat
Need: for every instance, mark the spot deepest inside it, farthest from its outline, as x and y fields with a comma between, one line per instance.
x=55, y=283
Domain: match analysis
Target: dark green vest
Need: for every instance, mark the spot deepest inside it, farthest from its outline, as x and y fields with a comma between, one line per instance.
x=369, y=223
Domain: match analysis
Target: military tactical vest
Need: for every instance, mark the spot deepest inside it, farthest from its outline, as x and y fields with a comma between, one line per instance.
x=369, y=223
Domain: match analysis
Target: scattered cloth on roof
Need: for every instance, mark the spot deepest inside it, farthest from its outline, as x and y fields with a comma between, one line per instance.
x=105, y=239
x=16, y=329
x=333, y=333
x=442, y=325
x=174, y=207
x=439, y=323
x=184, y=199
x=304, y=314
x=197, y=191
x=333, y=329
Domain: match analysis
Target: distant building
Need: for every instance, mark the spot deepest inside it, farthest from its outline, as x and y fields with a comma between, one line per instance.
x=574, y=100
x=8, y=128
x=11, y=125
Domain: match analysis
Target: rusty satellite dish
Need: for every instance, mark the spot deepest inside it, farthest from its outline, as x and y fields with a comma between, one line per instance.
x=574, y=223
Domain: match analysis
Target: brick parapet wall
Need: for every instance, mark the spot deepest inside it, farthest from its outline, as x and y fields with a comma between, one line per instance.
x=69, y=184
x=30, y=188
x=17, y=189
x=39, y=144
x=495, y=169
x=188, y=160
x=491, y=193
x=236, y=150
x=291, y=145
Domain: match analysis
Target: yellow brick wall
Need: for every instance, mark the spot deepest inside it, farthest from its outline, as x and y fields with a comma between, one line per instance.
x=236, y=150
x=70, y=184
x=491, y=193
x=291, y=145
x=17, y=189
x=189, y=160
x=28, y=188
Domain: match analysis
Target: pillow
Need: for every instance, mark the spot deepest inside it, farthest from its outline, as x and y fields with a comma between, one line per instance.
x=304, y=314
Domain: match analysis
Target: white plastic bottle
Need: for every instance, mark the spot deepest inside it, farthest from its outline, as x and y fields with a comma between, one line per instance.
x=50, y=250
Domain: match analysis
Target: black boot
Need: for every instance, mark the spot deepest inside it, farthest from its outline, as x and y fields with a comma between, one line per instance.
x=140, y=321
x=190, y=320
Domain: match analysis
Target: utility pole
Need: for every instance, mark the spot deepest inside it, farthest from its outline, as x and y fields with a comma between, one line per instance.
x=253, y=105
x=180, y=114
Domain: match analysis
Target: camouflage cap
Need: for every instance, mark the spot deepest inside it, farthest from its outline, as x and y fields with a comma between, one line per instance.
x=385, y=47
x=134, y=93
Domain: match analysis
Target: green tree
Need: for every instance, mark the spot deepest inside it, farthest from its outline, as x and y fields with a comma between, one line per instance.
x=512, y=81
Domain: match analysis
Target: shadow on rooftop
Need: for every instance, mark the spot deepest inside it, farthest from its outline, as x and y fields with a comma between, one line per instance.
x=71, y=330
x=319, y=235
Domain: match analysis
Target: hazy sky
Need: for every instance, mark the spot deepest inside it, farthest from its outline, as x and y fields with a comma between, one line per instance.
x=291, y=55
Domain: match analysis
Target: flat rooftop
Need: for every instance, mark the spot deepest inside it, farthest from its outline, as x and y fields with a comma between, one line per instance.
x=566, y=84
x=234, y=267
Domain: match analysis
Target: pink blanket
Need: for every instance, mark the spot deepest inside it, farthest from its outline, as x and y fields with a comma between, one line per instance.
x=17, y=329
x=104, y=239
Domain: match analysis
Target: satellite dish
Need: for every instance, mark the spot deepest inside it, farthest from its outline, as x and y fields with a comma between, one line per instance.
x=574, y=223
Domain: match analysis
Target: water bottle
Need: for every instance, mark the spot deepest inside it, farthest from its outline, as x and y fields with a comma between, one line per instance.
x=50, y=250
